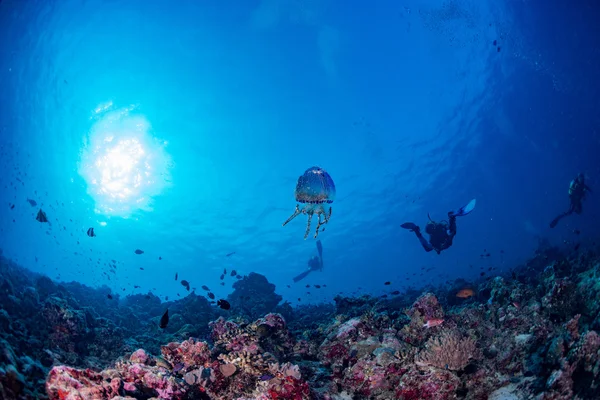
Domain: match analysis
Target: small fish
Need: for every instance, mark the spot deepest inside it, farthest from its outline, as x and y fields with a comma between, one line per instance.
x=233, y=273
x=141, y=268
x=576, y=231
x=432, y=322
x=178, y=367
x=495, y=42
x=109, y=296
x=224, y=304
x=517, y=305
x=41, y=216
x=384, y=296
x=176, y=275
x=209, y=294
x=185, y=284
x=238, y=277
x=136, y=287
x=465, y=293
x=395, y=292
x=32, y=202
x=307, y=286
x=222, y=276
x=159, y=258
x=317, y=286
x=387, y=283
x=230, y=254
x=577, y=246
x=205, y=288
x=164, y=320
x=138, y=251
x=266, y=377
x=222, y=283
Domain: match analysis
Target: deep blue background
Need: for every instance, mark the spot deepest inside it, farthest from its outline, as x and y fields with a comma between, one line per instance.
x=408, y=105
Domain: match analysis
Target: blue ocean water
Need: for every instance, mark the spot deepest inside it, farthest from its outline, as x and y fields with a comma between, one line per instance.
x=180, y=128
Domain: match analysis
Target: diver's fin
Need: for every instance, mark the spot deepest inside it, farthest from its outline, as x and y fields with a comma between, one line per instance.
x=555, y=220
x=409, y=225
x=464, y=210
x=320, y=249
x=302, y=275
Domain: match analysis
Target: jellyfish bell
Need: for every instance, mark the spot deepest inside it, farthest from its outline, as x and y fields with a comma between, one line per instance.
x=315, y=190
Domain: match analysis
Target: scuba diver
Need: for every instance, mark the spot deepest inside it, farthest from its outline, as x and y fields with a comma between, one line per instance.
x=577, y=192
x=440, y=233
x=315, y=263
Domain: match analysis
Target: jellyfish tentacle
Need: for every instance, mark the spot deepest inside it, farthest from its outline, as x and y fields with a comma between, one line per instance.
x=320, y=223
x=294, y=215
x=310, y=215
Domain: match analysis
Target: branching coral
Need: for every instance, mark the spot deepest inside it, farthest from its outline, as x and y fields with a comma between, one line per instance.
x=448, y=350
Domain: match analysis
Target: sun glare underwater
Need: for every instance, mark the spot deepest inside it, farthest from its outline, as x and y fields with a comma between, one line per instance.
x=299, y=200
x=123, y=165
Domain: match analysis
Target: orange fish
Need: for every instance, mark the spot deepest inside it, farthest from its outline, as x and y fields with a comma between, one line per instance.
x=432, y=322
x=465, y=293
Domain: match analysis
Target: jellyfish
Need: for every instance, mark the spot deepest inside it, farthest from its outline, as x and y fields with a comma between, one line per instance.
x=316, y=190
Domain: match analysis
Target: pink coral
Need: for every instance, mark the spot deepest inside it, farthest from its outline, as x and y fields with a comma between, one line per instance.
x=190, y=353
x=66, y=383
x=139, y=356
x=427, y=306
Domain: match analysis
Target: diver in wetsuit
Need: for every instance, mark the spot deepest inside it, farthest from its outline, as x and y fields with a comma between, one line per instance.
x=315, y=263
x=440, y=233
x=577, y=191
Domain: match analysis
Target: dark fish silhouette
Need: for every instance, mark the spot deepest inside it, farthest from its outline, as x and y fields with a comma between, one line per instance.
x=209, y=294
x=388, y=283
x=138, y=251
x=175, y=275
x=233, y=273
x=164, y=320
x=41, y=216
x=395, y=292
x=230, y=254
x=225, y=271
x=90, y=232
x=185, y=284
x=224, y=304
x=159, y=258
x=32, y=202
x=205, y=288
x=222, y=276
x=109, y=296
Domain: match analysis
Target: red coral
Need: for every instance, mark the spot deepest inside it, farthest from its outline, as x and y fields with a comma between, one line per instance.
x=190, y=353
x=290, y=389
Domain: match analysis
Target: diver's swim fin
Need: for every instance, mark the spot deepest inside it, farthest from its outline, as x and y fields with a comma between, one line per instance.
x=464, y=210
x=302, y=275
x=320, y=249
x=409, y=225
x=555, y=220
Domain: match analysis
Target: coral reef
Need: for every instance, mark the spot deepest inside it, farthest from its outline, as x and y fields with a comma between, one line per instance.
x=531, y=333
